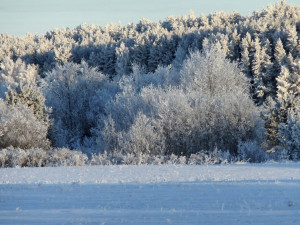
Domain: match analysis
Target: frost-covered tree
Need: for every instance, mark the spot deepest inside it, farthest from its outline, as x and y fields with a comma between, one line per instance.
x=223, y=93
x=290, y=131
x=180, y=56
x=210, y=73
x=70, y=91
x=13, y=73
x=19, y=127
x=245, y=55
x=63, y=52
x=276, y=109
x=288, y=83
x=258, y=84
x=292, y=41
x=266, y=72
x=280, y=56
x=283, y=88
x=30, y=96
x=288, y=100
x=123, y=60
x=270, y=115
x=143, y=137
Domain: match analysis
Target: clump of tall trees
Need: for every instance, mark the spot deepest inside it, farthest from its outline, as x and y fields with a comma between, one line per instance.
x=180, y=86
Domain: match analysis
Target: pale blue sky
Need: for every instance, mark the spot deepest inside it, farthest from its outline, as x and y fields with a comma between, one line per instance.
x=18, y=17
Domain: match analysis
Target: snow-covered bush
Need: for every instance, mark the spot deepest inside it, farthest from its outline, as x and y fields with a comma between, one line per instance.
x=17, y=157
x=200, y=158
x=252, y=152
x=102, y=159
x=143, y=137
x=65, y=157
x=211, y=157
x=38, y=157
x=30, y=96
x=133, y=159
x=19, y=127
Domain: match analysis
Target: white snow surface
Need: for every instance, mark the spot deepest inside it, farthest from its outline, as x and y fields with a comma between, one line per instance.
x=151, y=174
x=151, y=194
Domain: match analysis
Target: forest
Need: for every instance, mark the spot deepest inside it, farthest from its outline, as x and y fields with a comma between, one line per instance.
x=210, y=89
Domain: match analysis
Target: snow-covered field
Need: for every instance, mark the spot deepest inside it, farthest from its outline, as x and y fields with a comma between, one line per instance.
x=168, y=194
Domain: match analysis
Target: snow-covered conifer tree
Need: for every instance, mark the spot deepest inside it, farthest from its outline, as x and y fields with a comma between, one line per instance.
x=123, y=60
x=292, y=40
x=13, y=73
x=280, y=56
x=245, y=59
x=290, y=131
x=258, y=82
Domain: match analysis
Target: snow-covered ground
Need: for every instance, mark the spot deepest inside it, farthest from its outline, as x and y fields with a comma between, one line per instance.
x=168, y=194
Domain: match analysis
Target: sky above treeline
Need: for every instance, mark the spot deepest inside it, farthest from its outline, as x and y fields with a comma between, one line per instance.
x=18, y=17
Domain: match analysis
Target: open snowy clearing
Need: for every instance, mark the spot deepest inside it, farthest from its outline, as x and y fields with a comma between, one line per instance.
x=168, y=194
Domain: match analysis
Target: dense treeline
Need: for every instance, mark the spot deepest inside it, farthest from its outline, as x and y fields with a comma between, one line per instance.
x=180, y=86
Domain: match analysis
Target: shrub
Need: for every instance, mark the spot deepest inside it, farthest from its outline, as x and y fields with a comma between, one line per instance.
x=30, y=96
x=211, y=157
x=20, y=128
x=252, y=152
x=37, y=157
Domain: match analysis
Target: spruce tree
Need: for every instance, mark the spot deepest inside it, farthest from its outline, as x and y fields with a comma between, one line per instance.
x=279, y=57
x=270, y=116
x=258, y=85
x=288, y=91
x=245, y=56
x=292, y=40
x=290, y=131
x=123, y=60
